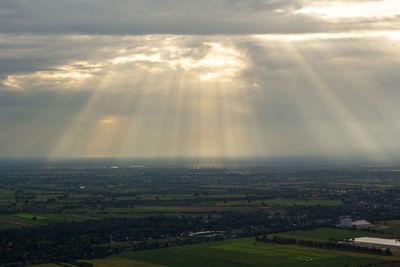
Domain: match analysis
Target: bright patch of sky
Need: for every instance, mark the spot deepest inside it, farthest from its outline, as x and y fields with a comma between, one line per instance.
x=353, y=9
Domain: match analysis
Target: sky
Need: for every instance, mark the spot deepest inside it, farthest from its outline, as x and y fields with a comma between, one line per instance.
x=210, y=78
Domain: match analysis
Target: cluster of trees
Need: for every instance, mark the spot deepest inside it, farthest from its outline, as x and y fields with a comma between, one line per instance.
x=84, y=240
x=325, y=245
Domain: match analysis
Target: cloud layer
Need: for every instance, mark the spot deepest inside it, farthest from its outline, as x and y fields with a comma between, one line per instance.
x=199, y=78
x=195, y=17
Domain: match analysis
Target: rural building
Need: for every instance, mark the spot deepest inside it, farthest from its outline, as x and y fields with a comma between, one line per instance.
x=347, y=222
x=362, y=224
x=383, y=243
x=207, y=234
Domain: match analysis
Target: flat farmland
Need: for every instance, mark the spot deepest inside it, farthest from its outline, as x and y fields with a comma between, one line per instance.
x=105, y=211
x=242, y=252
x=32, y=219
x=324, y=234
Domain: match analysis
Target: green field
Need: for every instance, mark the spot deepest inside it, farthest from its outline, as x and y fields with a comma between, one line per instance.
x=324, y=234
x=53, y=265
x=241, y=252
x=391, y=223
x=30, y=219
x=47, y=265
x=282, y=203
x=116, y=261
x=391, y=227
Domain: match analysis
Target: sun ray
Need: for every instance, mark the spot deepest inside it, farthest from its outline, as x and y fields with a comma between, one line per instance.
x=67, y=141
x=353, y=129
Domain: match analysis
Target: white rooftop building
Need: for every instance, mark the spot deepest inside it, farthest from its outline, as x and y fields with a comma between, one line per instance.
x=347, y=222
x=378, y=241
x=362, y=224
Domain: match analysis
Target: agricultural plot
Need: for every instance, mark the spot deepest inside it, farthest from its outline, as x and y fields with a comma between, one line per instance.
x=390, y=227
x=392, y=231
x=47, y=265
x=29, y=219
x=63, y=264
x=116, y=261
x=282, y=202
x=242, y=252
x=324, y=234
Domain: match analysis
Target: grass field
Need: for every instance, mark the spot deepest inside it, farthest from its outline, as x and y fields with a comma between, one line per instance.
x=47, y=265
x=324, y=234
x=53, y=265
x=392, y=231
x=282, y=203
x=391, y=227
x=241, y=252
x=391, y=223
x=116, y=261
x=26, y=219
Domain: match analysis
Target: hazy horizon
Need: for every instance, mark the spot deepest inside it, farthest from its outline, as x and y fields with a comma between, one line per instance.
x=191, y=162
